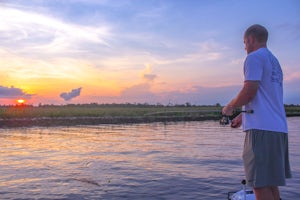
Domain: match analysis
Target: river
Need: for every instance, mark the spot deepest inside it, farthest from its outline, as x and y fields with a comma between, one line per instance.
x=182, y=160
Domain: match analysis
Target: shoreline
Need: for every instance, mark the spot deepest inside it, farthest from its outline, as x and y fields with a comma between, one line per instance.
x=81, y=121
x=94, y=114
x=77, y=121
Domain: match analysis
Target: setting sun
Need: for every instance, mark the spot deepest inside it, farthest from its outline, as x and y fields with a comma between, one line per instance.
x=20, y=101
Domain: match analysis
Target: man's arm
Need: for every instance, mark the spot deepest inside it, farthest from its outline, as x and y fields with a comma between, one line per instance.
x=247, y=93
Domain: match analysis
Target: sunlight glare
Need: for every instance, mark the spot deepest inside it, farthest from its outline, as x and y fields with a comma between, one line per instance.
x=20, y=101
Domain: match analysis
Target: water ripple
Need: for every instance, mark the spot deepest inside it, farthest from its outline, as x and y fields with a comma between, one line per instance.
x=185, y=160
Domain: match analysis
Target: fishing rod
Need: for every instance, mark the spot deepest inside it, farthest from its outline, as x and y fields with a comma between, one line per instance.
x=225, y=120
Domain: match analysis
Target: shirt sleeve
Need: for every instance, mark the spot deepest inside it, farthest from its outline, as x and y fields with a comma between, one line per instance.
x=253, y=68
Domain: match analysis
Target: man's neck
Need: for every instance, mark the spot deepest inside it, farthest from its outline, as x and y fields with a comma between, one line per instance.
x=258, y=46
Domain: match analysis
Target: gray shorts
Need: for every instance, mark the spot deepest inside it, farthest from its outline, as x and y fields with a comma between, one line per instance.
x=266, y=158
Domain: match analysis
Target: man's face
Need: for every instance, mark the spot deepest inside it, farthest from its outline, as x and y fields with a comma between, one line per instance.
x=249, y=43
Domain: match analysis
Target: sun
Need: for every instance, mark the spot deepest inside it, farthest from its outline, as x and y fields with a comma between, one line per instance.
x=20, y=101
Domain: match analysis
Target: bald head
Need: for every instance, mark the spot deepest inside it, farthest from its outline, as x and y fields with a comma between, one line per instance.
x=258, y=32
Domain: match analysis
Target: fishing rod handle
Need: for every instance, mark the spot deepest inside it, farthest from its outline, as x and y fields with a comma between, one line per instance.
x=248, y=111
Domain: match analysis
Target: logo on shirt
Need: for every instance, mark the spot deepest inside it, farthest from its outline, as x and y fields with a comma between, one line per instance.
x=277, y=75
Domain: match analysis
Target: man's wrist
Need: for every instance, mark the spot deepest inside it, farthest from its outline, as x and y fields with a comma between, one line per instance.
x=230, y=106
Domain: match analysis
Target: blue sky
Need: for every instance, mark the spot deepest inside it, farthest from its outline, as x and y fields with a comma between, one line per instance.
x=154, y=51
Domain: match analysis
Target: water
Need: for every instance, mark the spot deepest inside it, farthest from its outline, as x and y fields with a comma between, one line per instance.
x=185, y=160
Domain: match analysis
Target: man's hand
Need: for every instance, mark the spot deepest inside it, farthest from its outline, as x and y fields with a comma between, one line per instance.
x=237, y=121
x=227, y=110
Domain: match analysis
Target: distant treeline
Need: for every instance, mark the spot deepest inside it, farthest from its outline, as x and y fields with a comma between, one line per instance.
x=117, y=110
x=93, y=113
x=187, y=104
x=292, y=110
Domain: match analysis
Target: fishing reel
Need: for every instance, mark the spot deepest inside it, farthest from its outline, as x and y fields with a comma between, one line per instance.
x=225, y=120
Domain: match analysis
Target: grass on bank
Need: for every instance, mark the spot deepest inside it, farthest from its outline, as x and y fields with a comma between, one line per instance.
x=107, y=110
x=116, y=110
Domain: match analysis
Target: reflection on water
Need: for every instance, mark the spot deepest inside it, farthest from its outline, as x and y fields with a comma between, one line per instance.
x=186, y=160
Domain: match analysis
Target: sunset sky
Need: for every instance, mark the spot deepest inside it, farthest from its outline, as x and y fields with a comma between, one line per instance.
x=139, y=51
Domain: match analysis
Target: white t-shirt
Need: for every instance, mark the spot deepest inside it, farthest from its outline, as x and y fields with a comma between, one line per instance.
x=269, y=113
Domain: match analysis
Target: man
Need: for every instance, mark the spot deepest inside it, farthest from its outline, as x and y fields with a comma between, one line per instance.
x=265, y=152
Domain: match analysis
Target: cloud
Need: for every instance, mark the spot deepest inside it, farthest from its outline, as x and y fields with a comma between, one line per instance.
x=201, y=53
x=291, y=28
x=201, y=95
x=36, y=32
x=12, y=92
x=70, y=95
x=197, y=95
x=147, y=73
x=140, y=93
x=137, y=90
x=292, y=91
x=150, y=77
